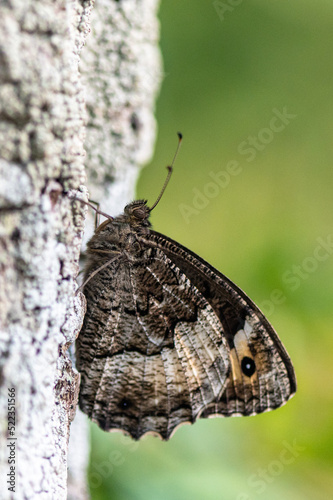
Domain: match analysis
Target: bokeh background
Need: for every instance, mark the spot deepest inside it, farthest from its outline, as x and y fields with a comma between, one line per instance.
x=229, y=69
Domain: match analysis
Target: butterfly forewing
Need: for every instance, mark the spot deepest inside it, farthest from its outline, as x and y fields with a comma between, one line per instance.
x=168, y=339
x=261, y=374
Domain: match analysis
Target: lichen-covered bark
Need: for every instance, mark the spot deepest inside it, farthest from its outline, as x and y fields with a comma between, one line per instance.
x=42, y=117
x=121, y=69
x=42, y=133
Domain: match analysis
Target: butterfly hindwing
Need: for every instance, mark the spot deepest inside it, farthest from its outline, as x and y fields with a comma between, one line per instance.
x=156, y=356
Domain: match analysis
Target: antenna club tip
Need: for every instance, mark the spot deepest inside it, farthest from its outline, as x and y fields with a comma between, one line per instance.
x=169, y=168
x=180, y=135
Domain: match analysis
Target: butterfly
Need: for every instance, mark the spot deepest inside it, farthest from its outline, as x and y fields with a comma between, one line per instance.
x=168, y=339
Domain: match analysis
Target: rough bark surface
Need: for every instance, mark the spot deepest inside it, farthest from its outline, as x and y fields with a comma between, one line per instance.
x=121, y=69
x=42, y=130
x=42, y=116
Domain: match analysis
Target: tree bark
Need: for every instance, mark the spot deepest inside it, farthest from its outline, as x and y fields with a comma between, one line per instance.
x=42, y=131
x=121, y=69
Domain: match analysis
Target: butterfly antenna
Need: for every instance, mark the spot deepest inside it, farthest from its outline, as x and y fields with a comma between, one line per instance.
x=170, y=168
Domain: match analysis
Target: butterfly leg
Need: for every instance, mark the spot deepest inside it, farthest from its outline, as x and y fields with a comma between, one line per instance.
x=97, y=212
x=99, y=268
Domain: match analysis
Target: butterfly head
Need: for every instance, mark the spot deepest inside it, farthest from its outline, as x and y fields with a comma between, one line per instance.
x=137, y=214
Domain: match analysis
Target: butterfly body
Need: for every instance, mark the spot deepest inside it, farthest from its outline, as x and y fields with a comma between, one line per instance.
x=167, y=338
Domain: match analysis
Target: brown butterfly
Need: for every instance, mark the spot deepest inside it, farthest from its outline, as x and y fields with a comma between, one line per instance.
x=167, y=338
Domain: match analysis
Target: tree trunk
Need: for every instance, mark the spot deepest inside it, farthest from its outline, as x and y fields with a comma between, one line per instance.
x=42, y=130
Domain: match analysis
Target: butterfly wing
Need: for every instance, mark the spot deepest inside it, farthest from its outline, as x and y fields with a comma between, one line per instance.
x=168, y=339
x=151, y=353
x=261, y=376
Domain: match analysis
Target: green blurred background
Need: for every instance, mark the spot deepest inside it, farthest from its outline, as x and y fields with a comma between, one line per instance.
x=268, y=228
